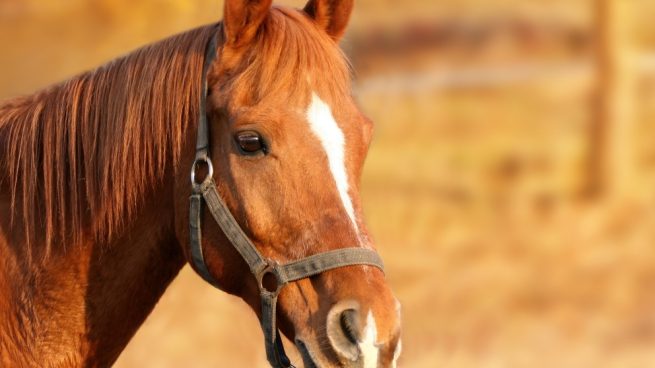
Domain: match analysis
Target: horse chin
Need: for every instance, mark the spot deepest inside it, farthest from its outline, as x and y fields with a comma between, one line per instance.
x=307, y=357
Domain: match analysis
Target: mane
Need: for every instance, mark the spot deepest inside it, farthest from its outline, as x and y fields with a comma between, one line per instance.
x=84, y=152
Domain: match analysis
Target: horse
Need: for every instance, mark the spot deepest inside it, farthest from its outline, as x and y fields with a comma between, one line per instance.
x=95, y=220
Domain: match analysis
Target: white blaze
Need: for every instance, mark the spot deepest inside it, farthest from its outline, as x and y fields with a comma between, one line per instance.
x=368, y=346
x=396, y=354
x=323, y=124
x=399, y=347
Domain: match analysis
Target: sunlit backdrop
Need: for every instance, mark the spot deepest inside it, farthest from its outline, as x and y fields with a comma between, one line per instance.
x=510, y=186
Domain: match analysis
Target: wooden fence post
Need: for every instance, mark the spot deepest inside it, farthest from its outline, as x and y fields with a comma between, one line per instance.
x=612, y=152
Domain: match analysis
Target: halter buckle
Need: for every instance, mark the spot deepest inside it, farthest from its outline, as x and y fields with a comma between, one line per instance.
x=201, y=159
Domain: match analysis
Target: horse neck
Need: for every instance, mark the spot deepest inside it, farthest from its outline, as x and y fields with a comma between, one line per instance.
x=81, y=306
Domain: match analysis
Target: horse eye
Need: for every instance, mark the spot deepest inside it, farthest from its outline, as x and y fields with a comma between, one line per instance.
x=250, y=142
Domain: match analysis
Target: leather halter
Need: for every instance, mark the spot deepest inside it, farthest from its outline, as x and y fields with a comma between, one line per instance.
x=260, y=267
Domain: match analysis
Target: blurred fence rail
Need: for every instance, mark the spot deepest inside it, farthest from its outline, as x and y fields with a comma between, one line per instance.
x=494, y=76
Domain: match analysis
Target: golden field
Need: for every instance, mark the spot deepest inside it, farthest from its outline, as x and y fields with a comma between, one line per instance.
x=476, y=187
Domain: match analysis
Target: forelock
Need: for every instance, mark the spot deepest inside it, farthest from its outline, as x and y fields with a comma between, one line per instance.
x=290, y=58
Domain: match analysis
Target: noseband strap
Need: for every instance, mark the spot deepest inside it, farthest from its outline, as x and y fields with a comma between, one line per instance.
x=206, y=192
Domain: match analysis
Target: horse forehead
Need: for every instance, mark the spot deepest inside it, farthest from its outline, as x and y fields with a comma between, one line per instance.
x=343, y=109
x=338, y=123
x=296, y=115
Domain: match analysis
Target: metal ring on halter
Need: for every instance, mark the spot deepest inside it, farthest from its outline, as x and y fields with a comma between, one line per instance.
x=271, y=269
x=210, y=174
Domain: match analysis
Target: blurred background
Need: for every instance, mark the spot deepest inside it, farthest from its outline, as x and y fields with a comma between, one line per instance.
x=510, y=186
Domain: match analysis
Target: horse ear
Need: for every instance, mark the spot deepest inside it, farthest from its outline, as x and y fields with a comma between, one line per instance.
x=242, y=18
x=331, y=15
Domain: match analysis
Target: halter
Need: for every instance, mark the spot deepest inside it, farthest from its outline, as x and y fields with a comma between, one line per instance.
x=205, y=191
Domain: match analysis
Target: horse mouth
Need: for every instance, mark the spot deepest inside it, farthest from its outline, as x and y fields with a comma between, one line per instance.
x=307, y=358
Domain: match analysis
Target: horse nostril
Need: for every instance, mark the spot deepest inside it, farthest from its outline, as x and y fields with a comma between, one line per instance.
x=344, y=329
x=350, y=325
